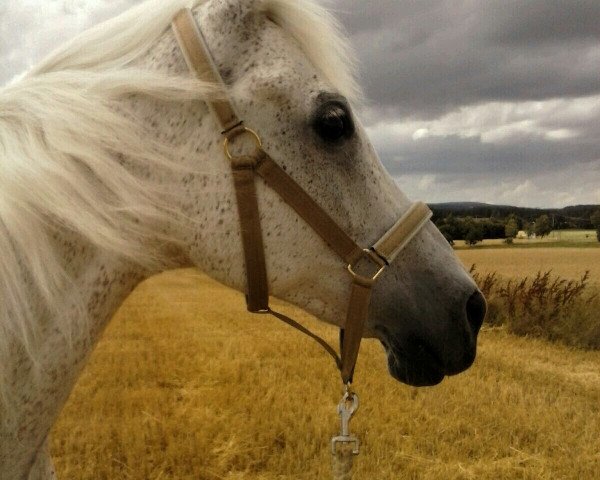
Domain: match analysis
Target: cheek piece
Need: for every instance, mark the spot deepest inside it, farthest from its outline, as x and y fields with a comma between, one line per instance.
x=364, y=265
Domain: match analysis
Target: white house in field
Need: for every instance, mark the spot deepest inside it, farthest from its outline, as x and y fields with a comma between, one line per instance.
x=523, y=235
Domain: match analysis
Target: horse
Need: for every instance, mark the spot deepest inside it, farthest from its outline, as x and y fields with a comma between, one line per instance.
x=112, y=171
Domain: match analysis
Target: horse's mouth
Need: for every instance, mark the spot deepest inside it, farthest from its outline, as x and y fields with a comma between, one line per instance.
x=411, y=361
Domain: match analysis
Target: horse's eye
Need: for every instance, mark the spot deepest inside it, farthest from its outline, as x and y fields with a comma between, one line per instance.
x=333, y=122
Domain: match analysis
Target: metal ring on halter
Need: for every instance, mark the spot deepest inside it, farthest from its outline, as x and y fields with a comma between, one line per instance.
x=238, y=132
x=376, y=259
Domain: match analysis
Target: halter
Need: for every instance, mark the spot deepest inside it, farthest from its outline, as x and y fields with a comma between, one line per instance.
x=364, y=265
x=374, y=259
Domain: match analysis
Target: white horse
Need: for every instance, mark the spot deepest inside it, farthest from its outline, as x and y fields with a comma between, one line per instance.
x=112, y=171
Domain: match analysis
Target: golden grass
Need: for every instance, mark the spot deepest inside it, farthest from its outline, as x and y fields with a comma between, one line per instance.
x=186, y=385
x=520, y=262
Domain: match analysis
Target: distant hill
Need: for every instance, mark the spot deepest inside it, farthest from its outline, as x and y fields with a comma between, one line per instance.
x=577, y=216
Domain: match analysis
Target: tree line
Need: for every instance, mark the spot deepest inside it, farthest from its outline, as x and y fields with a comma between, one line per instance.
x=572, y=217
x=473, y=230
x=595, y=219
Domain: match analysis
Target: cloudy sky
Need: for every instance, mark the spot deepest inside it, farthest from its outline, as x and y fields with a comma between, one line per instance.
x=468, y=100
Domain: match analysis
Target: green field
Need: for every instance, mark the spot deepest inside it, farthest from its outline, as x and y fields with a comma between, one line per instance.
x=556, y=238
x=578, y=236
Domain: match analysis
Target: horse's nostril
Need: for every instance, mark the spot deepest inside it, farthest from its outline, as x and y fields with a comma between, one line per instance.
x=476, y=308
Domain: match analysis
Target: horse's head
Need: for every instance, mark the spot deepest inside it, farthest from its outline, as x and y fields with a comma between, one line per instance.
x=289, y=77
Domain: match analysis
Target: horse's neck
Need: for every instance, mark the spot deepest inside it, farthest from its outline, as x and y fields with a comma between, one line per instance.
x=99, y=284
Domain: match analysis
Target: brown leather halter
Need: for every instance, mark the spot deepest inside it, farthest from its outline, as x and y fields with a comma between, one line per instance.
x=385, y=250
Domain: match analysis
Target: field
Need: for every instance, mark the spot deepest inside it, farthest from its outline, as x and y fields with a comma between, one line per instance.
x=186, y=385
x=580, y=236
x=519, y=262
x=556, y=238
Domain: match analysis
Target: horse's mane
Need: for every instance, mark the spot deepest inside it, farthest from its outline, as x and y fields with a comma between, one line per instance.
x=62, y=145
x=128, y=36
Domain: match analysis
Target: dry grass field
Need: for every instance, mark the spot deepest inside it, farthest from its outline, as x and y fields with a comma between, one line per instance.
x=519, y=262
x=186, y=385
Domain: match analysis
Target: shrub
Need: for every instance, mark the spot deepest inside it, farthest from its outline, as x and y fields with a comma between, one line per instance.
x=545, y=306
x=511, y=229
x=542, y=226
x=446, y=231
x=474, y=234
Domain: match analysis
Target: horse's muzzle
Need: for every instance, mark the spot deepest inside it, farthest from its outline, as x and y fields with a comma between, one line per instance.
x=420, y=360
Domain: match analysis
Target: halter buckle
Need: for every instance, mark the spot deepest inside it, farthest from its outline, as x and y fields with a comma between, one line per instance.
x=376, y=259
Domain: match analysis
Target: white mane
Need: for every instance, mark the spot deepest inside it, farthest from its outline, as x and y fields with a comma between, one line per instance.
x=130, y=35
x=62, y=145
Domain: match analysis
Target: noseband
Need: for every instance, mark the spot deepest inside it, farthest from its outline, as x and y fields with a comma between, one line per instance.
x=364, y=265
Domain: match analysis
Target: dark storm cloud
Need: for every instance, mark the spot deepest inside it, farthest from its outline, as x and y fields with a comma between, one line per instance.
x=492, y=100
x=423, y=58
x=543, y=21
x=451, y=154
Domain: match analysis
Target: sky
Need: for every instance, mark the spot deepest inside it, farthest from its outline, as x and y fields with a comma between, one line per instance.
x=495, y=101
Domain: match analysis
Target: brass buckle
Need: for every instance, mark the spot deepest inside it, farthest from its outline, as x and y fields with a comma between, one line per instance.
x=238, y=132
x=370, y=254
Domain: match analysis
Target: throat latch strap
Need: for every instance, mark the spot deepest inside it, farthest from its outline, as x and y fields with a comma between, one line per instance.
x=200, y=62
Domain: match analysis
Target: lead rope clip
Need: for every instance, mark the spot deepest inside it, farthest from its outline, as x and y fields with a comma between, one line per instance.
x=345, y=446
